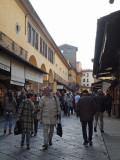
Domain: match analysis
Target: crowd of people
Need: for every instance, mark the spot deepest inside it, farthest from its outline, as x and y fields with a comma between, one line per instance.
x=26, y=107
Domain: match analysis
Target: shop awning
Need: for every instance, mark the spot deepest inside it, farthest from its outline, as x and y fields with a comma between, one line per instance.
x=17, y=73
x=20, y=68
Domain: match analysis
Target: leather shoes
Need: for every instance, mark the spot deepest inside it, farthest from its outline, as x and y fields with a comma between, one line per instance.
x=95, y=130
x=50, y=143
x=45, y=146
x=22, y=143
x=35, y=134
x=28, y=146
x=102, y=131
x=90, y=143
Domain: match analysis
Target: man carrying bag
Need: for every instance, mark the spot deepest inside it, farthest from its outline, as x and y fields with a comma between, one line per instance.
x=49, y=106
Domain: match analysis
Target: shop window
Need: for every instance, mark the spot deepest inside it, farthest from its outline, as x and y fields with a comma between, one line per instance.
x=62, y=51
x=83, y=80
x=68, y=51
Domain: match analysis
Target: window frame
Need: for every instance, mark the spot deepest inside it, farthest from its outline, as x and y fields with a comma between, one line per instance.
x=32, y=35
x=43, y=47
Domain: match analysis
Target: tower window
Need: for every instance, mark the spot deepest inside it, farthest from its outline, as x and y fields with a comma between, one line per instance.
x=68, y=51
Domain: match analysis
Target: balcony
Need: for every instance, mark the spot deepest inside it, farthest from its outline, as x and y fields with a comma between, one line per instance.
x=6, y=42
x=60, y=80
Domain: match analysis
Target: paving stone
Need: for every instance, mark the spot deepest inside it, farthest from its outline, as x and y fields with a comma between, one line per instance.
x=68, y=147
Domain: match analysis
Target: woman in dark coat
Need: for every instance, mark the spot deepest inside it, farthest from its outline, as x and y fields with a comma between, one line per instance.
x=25, y=114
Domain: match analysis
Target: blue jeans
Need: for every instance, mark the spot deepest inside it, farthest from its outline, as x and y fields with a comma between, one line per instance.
x=8, y=119
x=27, y=135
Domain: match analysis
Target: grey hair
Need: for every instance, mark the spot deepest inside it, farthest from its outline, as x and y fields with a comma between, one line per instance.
x=47, y=87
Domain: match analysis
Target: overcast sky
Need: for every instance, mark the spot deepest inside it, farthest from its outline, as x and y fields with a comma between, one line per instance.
x=74, y=22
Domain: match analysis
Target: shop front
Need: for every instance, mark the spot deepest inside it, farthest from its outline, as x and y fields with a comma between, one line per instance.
x=16, y=72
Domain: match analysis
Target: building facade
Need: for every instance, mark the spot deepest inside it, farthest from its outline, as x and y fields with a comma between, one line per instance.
x=79, y=66
x=69, y=52
x=28, y=54
x=86, y=79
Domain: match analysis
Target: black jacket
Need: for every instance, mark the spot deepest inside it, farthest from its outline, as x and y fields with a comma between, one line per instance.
x=100, y=103
x=86, y=108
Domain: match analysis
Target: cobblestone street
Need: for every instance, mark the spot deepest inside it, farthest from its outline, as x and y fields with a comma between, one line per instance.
x=69, y=147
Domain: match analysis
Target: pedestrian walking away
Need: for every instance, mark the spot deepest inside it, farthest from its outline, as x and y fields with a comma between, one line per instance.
x=86, y=109
x=108, y=103
x=25, y=114
x=49, y=106
x=100, y=103
x=77, y=97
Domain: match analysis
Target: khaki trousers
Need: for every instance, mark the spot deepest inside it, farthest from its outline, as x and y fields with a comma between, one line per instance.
x=97, y=116
x=48, y=133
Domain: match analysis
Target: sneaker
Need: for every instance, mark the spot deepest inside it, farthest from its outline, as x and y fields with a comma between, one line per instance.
x=102, y=131
x=45, y=146
x=95, y=130
x=28, y=146
x=85, y=144
x=50, y=143
x=90, y=143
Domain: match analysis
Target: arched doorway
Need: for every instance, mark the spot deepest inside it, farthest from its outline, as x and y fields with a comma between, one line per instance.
x=32, y=85
x=33, y=60
x=51, y=79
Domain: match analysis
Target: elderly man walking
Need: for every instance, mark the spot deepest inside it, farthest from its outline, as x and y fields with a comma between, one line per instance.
x=49, y=106
x=86, y=109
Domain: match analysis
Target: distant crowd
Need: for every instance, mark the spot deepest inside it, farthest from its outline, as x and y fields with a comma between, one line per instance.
x=30, y=108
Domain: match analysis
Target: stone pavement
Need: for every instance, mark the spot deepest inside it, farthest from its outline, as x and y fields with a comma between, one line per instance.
x=111, y=137
x=69, y=147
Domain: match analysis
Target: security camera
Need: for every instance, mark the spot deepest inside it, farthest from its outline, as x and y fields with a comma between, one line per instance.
x=111, y=1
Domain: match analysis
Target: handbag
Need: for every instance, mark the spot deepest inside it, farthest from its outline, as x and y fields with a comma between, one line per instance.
x=59, y=130
x=37, y=115
x=18, y=128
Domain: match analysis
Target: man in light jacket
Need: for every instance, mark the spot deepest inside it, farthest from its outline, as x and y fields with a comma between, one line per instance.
x=49, y=106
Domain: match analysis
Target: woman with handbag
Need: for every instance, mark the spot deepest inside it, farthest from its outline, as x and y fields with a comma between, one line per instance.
x=25, y=114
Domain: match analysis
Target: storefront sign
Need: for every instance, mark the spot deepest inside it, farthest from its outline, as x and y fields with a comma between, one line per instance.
x=4, y=62
x=4, y=67
x=59, y=86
